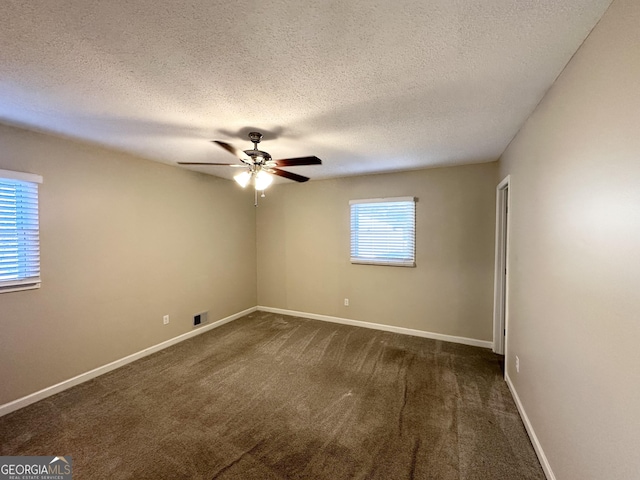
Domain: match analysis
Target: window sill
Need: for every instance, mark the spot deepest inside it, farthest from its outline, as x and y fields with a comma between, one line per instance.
x=383, y=263
x=19, y=288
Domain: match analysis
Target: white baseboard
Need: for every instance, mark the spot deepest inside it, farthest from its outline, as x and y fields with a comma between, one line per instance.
x=83, y=377
x=532, y=434
x=379, y=326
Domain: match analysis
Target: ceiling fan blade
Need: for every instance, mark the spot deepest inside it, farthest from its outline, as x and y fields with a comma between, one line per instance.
x=294, y=162
x=208, y=163
x=234, y=151
x=289, y=175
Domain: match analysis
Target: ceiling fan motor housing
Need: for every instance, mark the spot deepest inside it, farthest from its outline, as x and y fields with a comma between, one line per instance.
x=258, y=156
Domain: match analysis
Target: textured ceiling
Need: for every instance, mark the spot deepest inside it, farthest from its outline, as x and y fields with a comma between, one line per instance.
x=368, y=86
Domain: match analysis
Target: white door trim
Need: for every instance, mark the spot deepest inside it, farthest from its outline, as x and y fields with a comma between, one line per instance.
x=501, y=285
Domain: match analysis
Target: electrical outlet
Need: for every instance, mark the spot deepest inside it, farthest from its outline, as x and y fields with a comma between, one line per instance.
x=346, y=302
x=165, y=319
x=517, y=364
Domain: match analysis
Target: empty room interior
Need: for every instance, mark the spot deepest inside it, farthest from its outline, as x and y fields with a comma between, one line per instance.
x=320, y=240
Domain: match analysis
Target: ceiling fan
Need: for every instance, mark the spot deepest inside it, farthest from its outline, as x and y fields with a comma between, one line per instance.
x=259, y=165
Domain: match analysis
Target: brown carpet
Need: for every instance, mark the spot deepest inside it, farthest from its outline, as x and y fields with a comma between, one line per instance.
x=276, y=397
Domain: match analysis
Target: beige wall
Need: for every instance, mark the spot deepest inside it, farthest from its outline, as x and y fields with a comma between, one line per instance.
x=303, y=251
x=575, y=258
x=124, y=241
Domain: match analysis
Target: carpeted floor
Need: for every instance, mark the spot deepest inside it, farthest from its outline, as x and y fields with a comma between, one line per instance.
x=276, y=397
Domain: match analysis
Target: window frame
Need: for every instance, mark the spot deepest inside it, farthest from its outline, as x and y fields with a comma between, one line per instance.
x=33, y=282
x=382, y=260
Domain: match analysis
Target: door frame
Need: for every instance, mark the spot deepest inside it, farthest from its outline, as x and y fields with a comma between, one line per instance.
x=501, y=285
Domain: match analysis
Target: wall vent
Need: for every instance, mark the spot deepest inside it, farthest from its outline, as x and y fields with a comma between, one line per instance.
x=200, y=318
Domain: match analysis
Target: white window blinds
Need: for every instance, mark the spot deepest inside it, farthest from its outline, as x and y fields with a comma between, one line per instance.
x=383, y=231
x=19, y=231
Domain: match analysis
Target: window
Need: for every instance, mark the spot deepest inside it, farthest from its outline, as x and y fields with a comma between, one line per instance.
x=19, y=232
x=383, y=231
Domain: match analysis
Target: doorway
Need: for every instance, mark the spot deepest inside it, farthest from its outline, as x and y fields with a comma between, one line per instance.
x=501, y=285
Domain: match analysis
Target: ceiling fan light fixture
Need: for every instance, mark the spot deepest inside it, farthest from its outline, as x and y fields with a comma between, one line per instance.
x=263, y=180
x=260, y=166
x=243, y=178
